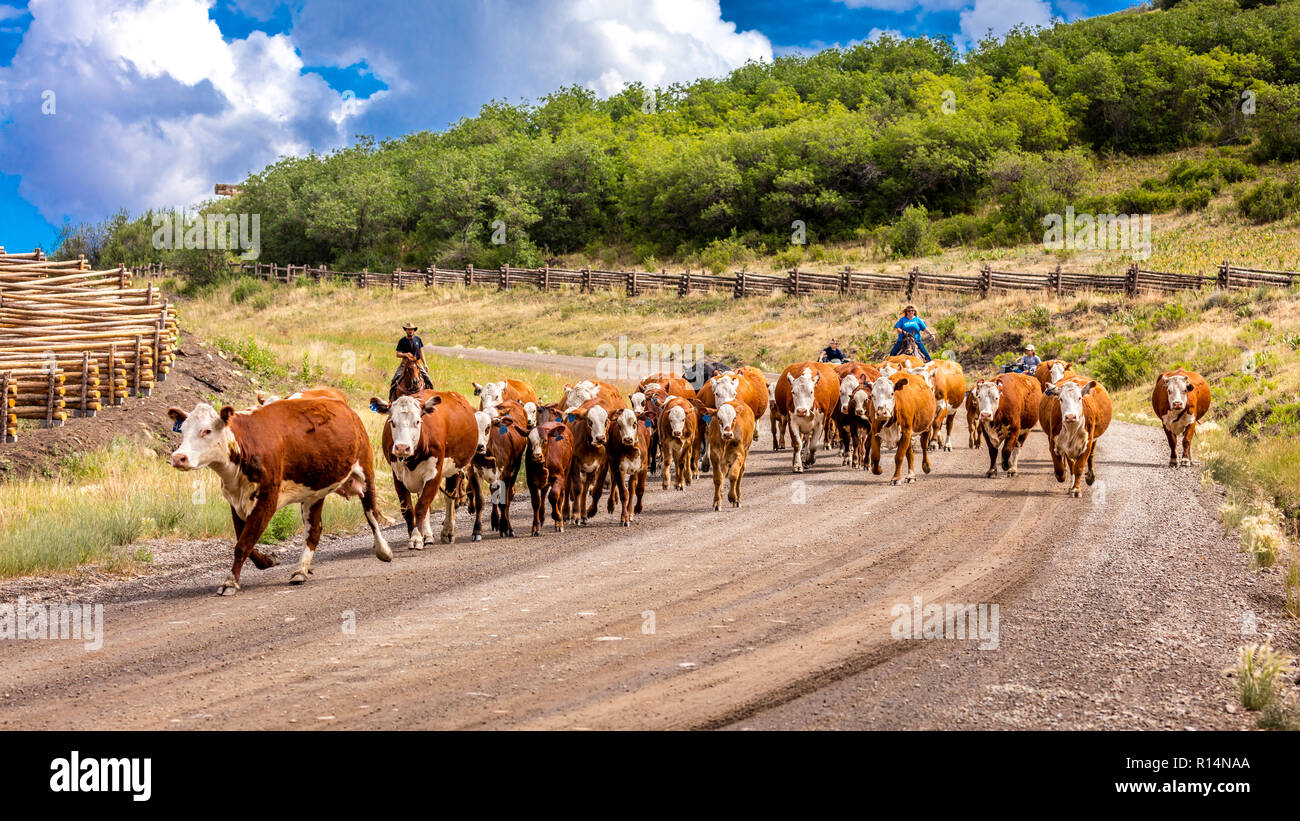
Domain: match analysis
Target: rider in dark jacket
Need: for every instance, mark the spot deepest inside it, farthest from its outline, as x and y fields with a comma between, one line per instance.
x=832, y=352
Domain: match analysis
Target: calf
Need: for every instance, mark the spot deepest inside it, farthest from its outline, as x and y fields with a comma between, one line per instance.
x=550, y=452
x=780, y=424
x=678, y=427
x=900, y=406
x=852, y=377
x=671, y=384
x=586, y=390
x=805, y=394
x=1051, y=371
x=628, y=450
x=498, y=463
x=973, y=432
x=492, y=394
x=1008, y=410
x=429, y=440
x=1181, y=398
x=1074, y=414
x=293, y=451
x=730, y=435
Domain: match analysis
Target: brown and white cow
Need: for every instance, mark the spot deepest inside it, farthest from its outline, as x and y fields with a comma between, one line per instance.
x=745, y=384
x=264, y=398
x=899, y=362
x=590, y=426
x=949, y=383
x=853, y=377
x=588, y=389
x=974, y=434
x=780, y=424
x=731, y=432
x=1074, y=413
x=294, y=451
x=497, y=463
x=806, y=393
x=1181, y=398
x=1051, y=371
x=900, y=406
x=429, y=441
x=1008, y=410
x=672, y=384
x=678, y=427
x=550, y=453
x=628, y=451
x=492, y=394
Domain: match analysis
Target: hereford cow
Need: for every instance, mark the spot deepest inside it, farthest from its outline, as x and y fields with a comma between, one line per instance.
x=294, y=451
x=1181, y=398
x=1051, y=371
x=429, y=440
x=974, y=435
x=1074, y=414
x=1008, y=410
x=492, y=394
x=853, y=376
x=900, y=406
x=264, y=398
x=806, y=393
x=628, y=451
x=678, y=427
x=671, y=384
x=550, y=451
x=746, y=384
x=730, y=436
x=587, y=389
x=589, y=425
x=948, y=382
x=497, y=463
x=780, y=424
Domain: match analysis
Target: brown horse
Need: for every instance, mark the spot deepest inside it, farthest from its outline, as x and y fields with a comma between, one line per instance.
x=409, y=381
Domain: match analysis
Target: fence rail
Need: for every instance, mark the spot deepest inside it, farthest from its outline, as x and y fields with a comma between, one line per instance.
x=73, y=339
x=1132, y=281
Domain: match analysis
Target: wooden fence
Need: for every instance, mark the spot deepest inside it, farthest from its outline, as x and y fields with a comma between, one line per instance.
x=1133, y=281
x=73, y=339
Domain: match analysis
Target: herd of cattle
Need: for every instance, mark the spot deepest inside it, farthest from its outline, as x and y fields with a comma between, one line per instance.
x=300, y=449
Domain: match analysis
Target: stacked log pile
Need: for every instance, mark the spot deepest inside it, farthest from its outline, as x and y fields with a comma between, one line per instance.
x=73, y=340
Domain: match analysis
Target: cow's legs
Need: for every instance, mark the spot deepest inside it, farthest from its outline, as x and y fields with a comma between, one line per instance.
x=598, y=490
x=818, y=425
x=621, y=483
x=1017, y=444
x=370, y=504
x=1076, y=471
x=737, y=471
x=404, y=502
x=421, y=533
x=1187, y=445
x=640, y=492
x=903, y=451
x=310, y=518
x=925, y=453
x=1059, y=461
x=1091, y=475
x=796, y=447
x=246, y=543
x=1173, y=448
x=993, y=455
x=262, y=561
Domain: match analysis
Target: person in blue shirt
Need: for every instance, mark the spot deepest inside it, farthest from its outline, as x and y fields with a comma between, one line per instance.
x=910, y=323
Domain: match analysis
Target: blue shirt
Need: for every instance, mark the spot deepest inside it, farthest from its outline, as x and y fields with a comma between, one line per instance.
x=1031, y=360
x=913, y=325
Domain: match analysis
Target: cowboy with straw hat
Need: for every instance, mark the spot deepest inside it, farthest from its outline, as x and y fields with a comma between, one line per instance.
x=413, y=345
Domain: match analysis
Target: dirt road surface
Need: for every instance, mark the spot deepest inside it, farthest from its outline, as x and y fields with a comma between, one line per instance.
x=1117, y=610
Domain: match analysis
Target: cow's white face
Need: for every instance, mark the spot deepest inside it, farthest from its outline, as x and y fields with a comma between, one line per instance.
x=725, y=388
x=987, y=397
x=530, y=414
x=597, y=422
x=483, y=421
x=624, y=423
x=638, y=401
x=491, y=394
x=1056, y=372
x=205, y=438
x=535, y=444
x=676, y=421
x=1071, y=396
x=861, y=403
x=803, y=391
x=771, y=393
x=848, y=385
x=404, y=417
x=882, y=398
x=651, y=386
x=888, y=369
x=1177, y=388
x=575, y=395
x=727, y=421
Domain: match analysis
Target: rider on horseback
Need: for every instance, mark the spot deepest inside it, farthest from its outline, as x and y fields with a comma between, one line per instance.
x=910, y=327
x=414, y=346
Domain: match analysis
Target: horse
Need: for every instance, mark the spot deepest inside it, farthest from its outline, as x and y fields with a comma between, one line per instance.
x=410, y=381
x=910, y=347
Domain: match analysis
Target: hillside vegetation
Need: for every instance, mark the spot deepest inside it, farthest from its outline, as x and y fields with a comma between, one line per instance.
x=900, y=147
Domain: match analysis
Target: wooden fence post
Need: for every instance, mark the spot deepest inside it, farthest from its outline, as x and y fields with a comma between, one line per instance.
x=846, y=281
x=631, y=283
x=85, y=381
x=1056, y=279
x=684, y=283
x=136, y=385
x=912, y=277
x=586, y=278
x=792, y=282
x=1225, y=272
x=121, y=276
x=986, y=281
x=428, y=276
x=112, y=375
x=546, y=277
x=1131, y=280
x=738, y=289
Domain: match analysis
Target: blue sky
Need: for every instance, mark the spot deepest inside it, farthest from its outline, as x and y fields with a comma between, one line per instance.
x=109, y=104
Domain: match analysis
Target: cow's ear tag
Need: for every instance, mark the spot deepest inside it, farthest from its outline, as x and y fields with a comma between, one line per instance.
x=502, y=429
x=176, y=426
x=570, y=418
x=374, y=408
x=648, y=423
x=707, y=417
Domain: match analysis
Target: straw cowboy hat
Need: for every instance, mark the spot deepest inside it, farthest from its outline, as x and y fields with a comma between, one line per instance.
x=409, y=327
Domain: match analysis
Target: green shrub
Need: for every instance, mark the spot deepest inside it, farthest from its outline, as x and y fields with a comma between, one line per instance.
x=282, y=525
x=912, y=235
x=245, y=289
x=1197, y=199
x=253, y=356
x=720, y=255
x=1145, y=201
x=958, y=230
x=1120, y=362
x=1270, y=200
